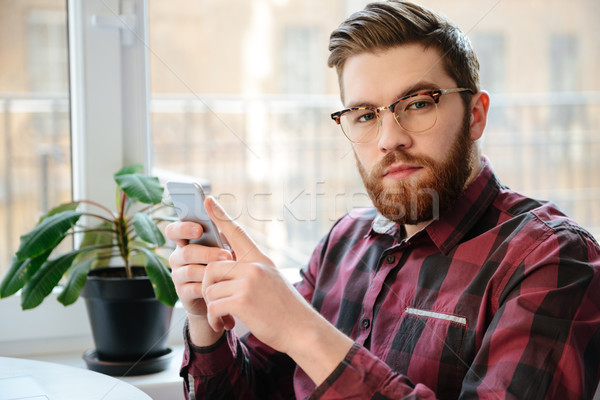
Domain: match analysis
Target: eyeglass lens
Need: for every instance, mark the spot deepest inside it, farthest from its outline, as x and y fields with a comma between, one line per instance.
x=415, y=114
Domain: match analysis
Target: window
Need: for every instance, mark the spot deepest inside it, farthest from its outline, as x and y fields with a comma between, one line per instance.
x=564, y=63
x=250, y=114
x=301, y=43
x=34, y=117
x=491, y=52
x=105, y=112
x=564, y=76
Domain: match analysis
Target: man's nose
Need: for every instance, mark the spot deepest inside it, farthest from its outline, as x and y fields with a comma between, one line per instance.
x=391, y=135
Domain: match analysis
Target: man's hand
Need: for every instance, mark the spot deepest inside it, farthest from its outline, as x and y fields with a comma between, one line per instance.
x=188, y=264
x=250, y=288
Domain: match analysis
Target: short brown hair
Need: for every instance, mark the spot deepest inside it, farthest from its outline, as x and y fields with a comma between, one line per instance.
x=386, y=24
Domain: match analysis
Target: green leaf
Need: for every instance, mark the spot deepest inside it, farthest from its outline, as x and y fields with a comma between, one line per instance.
x=147, y=230
x=44, y=280
x=47, y=235
x=130, y=169
x=144, y=188
x=77, y=278
x=160, y=277
x=58, y=209
x=98, y=236
x=19, y=273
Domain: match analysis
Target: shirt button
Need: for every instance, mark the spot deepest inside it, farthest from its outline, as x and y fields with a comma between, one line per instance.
x=365, y=323
x=390, y=259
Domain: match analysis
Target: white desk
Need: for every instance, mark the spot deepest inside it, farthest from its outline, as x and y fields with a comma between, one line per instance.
x=38, y=380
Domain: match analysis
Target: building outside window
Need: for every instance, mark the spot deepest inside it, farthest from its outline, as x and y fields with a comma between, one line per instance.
x=35, y=171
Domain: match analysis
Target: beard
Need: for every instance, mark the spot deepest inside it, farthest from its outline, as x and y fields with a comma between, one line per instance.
x=412, y=201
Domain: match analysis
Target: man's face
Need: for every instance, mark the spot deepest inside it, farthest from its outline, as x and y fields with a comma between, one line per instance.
x=410, y=177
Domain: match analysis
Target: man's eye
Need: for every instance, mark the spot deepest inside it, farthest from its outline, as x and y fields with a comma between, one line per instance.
x=419, y=105
x=363, y=116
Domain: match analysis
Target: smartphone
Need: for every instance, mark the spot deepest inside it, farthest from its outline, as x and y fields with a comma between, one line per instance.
x=188, y=200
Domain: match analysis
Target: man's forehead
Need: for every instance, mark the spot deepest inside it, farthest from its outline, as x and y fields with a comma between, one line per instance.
x=392, y=73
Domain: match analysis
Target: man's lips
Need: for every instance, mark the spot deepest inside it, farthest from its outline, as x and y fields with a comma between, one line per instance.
x=400, y=170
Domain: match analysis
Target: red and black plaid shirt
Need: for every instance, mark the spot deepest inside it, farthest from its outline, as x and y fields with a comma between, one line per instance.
x=498, y=299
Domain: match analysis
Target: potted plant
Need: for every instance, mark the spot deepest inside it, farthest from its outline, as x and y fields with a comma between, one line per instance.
x=138, y=291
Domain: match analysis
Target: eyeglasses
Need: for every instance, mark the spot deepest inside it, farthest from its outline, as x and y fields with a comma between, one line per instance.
x=415, y=113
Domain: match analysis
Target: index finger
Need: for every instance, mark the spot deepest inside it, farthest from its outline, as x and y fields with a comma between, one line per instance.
x=244, y=248
x=182, y=231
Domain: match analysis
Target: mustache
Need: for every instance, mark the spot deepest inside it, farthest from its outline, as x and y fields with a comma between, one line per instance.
x=397, y=156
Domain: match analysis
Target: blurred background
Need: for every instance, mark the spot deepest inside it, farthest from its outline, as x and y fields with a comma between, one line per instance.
x=241, y=96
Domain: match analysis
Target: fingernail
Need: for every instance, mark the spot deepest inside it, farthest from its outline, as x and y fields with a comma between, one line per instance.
x=222, y=257
x=196, y=231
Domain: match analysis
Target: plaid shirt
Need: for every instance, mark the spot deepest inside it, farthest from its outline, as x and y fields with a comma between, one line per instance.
x=498, y=299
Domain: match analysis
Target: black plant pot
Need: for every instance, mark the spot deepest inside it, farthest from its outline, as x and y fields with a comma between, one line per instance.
x=130, y=327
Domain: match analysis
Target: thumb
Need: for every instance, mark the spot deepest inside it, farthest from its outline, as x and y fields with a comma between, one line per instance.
x=244, y=248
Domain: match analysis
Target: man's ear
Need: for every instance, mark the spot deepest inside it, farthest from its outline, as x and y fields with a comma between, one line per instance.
x=480, y=104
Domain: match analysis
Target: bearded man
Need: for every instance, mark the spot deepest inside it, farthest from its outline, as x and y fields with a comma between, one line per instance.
x=451, y=286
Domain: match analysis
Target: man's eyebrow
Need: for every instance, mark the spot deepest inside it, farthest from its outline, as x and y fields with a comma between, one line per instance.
x=421, y=86
x=361, y=104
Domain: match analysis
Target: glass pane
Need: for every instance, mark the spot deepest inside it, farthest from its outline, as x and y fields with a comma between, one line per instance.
x=35, y=172
x=242, y=99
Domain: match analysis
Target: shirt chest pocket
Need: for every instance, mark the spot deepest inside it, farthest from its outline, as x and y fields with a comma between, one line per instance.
x=427, y=348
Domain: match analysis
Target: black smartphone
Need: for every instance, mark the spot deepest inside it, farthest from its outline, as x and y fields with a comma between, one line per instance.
x=188, y=200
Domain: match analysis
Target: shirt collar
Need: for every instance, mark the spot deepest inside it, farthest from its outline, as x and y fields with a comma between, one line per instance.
x=452, y=225
x=455, y=223
x=382, y=225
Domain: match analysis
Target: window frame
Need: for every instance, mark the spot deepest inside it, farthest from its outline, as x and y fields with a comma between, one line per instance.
x=109, y=105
